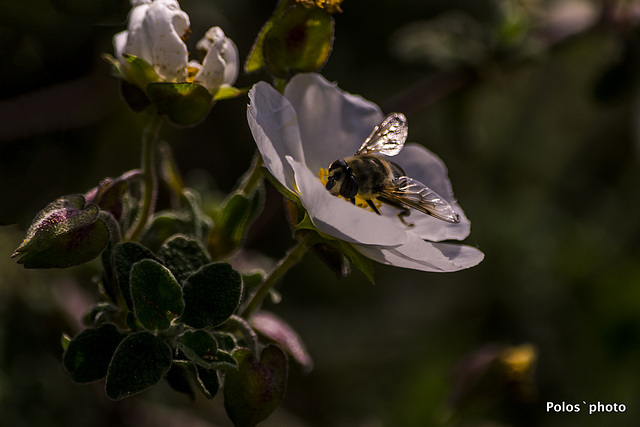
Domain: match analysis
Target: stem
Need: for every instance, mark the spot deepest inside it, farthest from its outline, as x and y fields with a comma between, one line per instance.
x=290, y=259
x=279, y=85
x=149, y=139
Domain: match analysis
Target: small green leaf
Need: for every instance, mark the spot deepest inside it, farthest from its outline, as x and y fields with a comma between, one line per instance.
x=256, y=389
x=178, y=378
x=229, y=92
x=225, y=341
x=88, y=355
x=140, y=361
x=208, y=381
x=134, y=96
x=100, y=313
x=301, y=41
x=183, y=256
x=65, y=233
x=164, y=225
x=125, y=254
x=232, y=223
x=156, y=295
x=211, y=295
x=199, y=346
x=138, y=71
x=276, y=329
x=186, y=104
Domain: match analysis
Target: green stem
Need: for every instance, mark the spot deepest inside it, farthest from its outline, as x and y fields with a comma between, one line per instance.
x=290, y=259
x=279, y=85
x=149, y=139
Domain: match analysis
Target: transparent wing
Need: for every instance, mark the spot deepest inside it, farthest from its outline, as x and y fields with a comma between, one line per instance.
x=388, y=137
x=418, y=196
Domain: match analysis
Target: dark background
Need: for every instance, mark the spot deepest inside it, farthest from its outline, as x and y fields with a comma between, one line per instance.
x=533, y=108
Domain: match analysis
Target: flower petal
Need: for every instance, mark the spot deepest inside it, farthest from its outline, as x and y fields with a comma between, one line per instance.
x=155, y=35
x=338, y=218
x=220, y=64
x=333, y=123
x=417, y=254
x=274, y=125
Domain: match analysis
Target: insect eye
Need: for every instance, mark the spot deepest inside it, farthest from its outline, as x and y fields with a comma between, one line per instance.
x=340, y=163
x=349, y=187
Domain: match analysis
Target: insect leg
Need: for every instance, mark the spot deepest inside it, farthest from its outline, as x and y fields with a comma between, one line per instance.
x=405, y=212
x=404, y=209
x=373, y=206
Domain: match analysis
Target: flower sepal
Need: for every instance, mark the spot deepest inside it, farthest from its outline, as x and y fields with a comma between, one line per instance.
x=296, y=39
x=185, y=104
x=65, y=233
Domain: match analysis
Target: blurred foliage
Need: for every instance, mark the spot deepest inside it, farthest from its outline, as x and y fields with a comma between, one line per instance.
x=533, y=105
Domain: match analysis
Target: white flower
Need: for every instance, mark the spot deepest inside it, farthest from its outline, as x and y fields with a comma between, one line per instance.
x=315, y=123
x=156, y=32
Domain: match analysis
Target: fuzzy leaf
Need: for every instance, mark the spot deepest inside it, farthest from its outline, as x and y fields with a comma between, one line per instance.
x=125, y=254
x=256, y=389
x=183, y=256
x=211, y=295
x=199, y=346
x=88, y=355
x=140, y=361
x=156, y=295
x=178, y=378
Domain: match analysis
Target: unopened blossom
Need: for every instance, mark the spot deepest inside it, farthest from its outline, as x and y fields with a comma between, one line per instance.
x=157, y=31
x=300, y=133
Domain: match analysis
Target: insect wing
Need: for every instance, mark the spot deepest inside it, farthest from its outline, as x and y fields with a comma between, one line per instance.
x=420, y=197
x=388, y=137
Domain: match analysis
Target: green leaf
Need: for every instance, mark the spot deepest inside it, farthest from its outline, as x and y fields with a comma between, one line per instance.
x=100, y=313
x=140, y=361
x=186, y=104
x=183, y=256
x=178, y=378
x=199, y=346
x=65, y=233
x=125, y=254
x=138, y=71
x=229, y=92
x=232, y=223
x=301, y=41
x=256, y=389
x=164, y=225
x=255, y=60
x=156, y=295
x=207, y=380
x=276, y=329
x=88, y=355
x=211, y=295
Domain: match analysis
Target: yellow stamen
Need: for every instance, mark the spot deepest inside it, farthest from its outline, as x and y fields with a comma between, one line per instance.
x=323, y=174
x=519, y=361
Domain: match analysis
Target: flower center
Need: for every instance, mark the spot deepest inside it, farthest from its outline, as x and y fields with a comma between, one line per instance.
x=323, y=174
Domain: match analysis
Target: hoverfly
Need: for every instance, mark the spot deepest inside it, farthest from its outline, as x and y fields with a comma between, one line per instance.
x=371, y=176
